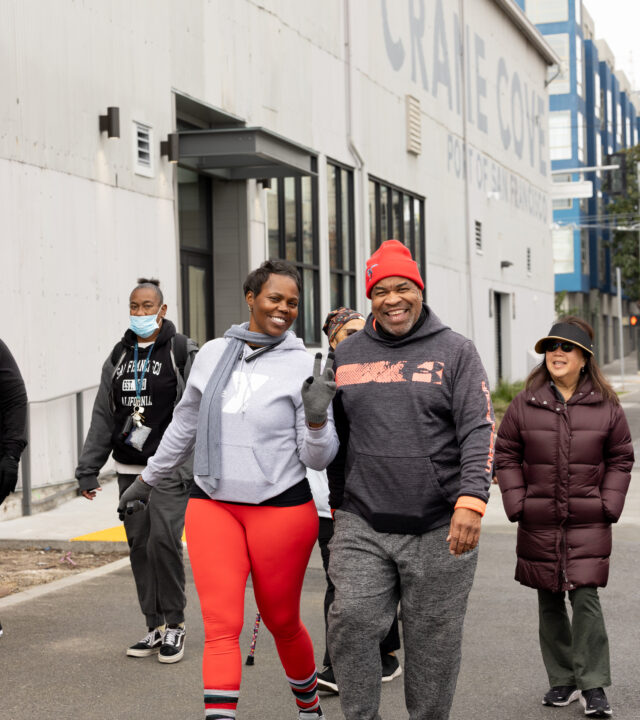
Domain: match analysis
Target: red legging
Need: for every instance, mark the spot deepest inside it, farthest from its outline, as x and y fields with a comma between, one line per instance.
x=225, y=543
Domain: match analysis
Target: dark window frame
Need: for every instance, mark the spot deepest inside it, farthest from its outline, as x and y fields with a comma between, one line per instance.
x=310, y=336
x=381, y=186
x=340, y=269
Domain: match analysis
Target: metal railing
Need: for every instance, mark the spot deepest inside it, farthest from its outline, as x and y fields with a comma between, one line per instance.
x=27, y=503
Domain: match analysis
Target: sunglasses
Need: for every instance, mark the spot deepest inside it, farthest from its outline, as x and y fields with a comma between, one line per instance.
x=552, y=345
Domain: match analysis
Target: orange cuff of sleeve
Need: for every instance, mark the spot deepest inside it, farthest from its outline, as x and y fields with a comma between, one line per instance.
x=471, y=503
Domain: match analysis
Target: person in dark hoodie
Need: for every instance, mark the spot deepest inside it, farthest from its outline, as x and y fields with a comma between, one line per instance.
x=339, y=325
x=409, y=487
x=13, y=422
x=142, y=380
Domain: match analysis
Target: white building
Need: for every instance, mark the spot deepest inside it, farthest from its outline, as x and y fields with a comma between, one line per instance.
x=302, y=129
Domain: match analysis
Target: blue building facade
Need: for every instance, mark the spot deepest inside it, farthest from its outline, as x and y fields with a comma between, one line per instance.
x=591, y=115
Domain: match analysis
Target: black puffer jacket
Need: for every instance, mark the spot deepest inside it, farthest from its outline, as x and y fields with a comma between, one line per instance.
x=564, y=470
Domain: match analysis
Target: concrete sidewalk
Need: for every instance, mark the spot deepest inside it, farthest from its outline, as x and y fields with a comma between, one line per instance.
x=94, y=523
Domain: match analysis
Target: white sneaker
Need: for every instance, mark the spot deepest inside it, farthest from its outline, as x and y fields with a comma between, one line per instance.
x=172, y=648
x=149, y=645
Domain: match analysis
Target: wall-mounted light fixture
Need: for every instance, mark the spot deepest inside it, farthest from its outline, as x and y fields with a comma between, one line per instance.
x=171, y=147
x=265, y=182
x=505, y=264
x=110, y=123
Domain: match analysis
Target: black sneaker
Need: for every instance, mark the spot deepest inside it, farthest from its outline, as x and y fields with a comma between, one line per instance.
x=172, y=648
x=595, y=703
x=327, y=681
x=561, y=695
x=390, y=667
x=0, y=629
x=149, y=645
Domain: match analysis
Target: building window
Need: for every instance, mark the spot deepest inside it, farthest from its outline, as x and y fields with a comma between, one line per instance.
x=609, y=112
x=545, y=11
x=562, y=239
x=142, y=144
x=478, y=235
x=196, y=254
x=597, y=96
x=397, y=214
x=602, y=262
x=292, y=209
x=581, y=132
x=584, y=251
x=560, y=135
x=342, y=247
x=561, y=82
x=579, y=67
x=619, y=124
x=629, y=138
x=529, y=260
x=562, y=203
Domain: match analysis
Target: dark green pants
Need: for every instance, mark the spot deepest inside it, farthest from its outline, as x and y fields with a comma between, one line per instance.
x=576, y=651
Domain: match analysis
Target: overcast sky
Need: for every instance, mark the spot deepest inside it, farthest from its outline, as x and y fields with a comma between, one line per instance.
x=618, y=22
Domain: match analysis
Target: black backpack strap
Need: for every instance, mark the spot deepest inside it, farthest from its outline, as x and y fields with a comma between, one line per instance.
x=117, y=351
x=179, y=346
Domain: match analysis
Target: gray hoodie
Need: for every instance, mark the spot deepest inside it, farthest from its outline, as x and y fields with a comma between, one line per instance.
x=266, y=442
x=416, y=427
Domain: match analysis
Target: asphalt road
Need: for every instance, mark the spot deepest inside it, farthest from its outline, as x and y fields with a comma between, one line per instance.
x=62, y=655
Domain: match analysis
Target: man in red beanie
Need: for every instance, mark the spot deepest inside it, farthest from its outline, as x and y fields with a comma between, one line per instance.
x=409, y=486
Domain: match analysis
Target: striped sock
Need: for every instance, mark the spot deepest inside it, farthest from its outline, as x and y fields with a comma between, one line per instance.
x=306, y=695
x=220, y=704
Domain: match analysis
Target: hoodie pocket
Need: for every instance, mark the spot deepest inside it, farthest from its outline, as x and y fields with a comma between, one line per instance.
x=240, y=464
x=401, y=494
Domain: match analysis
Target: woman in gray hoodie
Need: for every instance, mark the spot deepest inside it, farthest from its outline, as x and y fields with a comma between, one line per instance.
x=255, y=423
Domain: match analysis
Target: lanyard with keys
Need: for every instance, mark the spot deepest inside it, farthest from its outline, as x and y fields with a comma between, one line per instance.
x=138, y=407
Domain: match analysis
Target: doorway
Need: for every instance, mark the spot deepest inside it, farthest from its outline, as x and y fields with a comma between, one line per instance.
x=196, y=254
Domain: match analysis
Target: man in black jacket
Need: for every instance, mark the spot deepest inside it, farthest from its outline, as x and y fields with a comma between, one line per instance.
x=13, y=422
x=409, y=486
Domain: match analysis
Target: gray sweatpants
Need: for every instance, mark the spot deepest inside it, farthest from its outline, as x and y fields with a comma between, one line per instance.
x=155, y=550
x=372, y=571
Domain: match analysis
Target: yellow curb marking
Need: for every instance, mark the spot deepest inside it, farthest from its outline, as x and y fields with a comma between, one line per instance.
x=114, y=534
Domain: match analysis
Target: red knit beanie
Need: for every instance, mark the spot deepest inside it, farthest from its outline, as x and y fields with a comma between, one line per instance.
x=390, y=259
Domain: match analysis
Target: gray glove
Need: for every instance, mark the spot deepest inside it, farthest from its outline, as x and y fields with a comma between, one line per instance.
x=318, y=391
x=134, y=498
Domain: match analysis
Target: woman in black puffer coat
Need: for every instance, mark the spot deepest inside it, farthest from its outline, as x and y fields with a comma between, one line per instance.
x=563, y=461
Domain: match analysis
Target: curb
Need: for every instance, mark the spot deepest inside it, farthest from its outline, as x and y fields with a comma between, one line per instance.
x=45, y=589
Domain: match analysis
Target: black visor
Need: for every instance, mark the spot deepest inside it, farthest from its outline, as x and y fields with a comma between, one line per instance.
x=569, y=333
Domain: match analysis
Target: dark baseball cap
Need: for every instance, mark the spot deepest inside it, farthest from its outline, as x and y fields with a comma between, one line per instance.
x=569, y=333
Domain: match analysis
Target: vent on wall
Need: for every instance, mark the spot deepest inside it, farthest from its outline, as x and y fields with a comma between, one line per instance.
x=529, y=260
x=142, y=137
x=478, y=236
x=414, y=125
